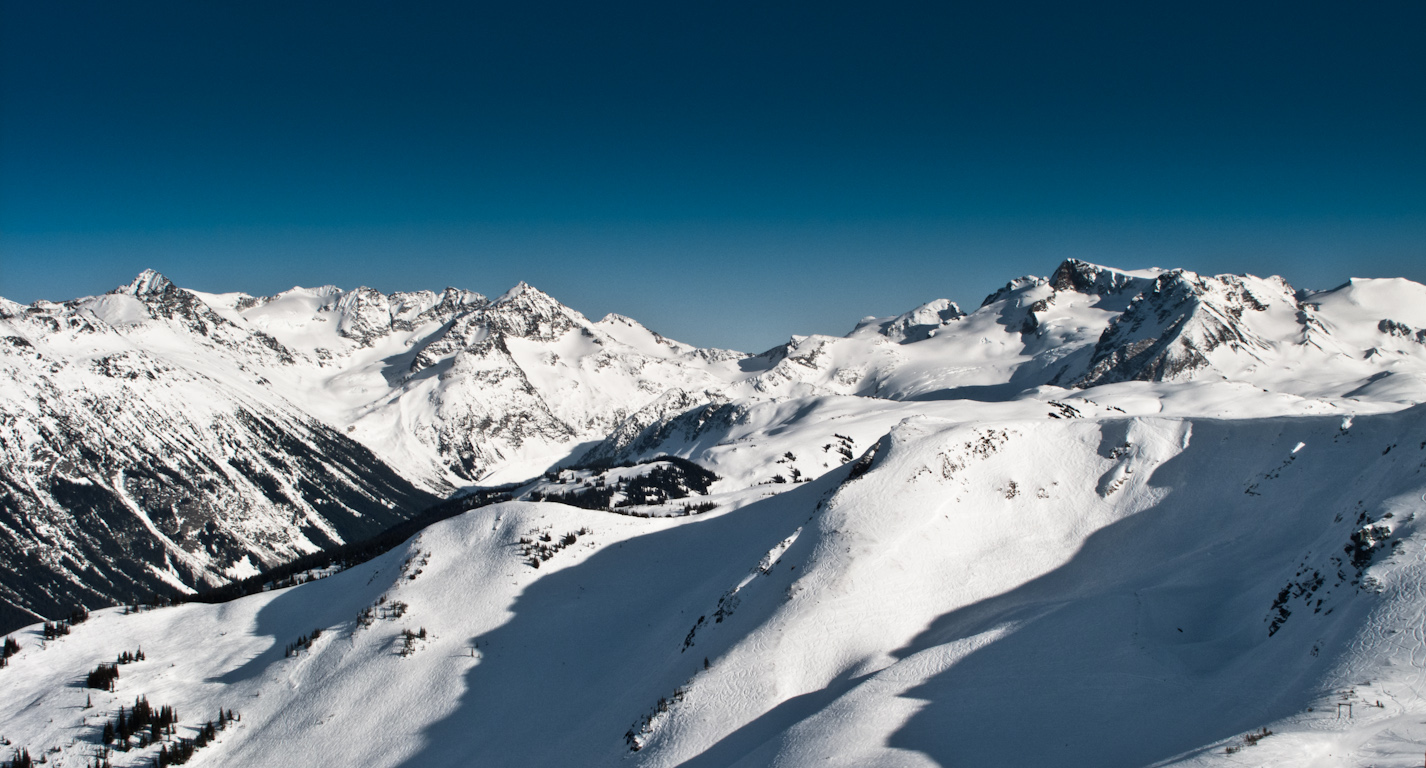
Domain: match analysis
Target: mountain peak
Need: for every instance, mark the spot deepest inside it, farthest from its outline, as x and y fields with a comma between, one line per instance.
x=1093, y=279
x=521, y=289
x=527, y=312
x=148, y=283
x=918, y=324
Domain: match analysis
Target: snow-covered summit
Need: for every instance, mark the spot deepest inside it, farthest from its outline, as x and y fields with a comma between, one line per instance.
x=1083, y=277
x=917, y=325
x=147, y=283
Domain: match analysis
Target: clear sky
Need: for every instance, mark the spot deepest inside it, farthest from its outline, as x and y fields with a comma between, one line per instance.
x=728, y=172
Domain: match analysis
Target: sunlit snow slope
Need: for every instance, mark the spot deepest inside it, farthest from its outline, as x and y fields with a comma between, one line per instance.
x=1115, y=592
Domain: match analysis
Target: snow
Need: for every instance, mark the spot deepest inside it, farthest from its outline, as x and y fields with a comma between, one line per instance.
x=978, y=555
x=978, y=578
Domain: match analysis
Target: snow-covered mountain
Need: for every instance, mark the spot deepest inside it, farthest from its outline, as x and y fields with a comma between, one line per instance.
x=1088, y=325
x=1108, y=518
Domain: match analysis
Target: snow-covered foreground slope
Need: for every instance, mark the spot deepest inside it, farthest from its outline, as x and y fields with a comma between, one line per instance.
x=1014, y=589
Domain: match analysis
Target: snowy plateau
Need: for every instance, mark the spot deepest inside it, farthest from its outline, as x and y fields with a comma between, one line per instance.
x=1108, y=518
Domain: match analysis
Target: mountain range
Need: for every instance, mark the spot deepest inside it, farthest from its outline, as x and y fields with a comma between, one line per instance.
x=1109, y=517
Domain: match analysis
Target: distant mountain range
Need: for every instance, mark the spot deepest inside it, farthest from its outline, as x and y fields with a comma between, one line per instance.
x=946, y=536
x=158, y=438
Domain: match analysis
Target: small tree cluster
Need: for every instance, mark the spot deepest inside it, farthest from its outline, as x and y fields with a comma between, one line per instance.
x=382, y=610
x=843, y=447
x=103, y=677
x=9, y=649
x=182, y=750
x=409, y=640
x=406, y=567
x=21, y=759
x=540, y=546
x=129, y=658
x=636, y=736
x=154, y=601
x=181, y=753
x=393, y=610
x=303, y=643
x=149, y=724
x=79, y=615
x=1253, y=738
x=101, y=760
x=56, y=629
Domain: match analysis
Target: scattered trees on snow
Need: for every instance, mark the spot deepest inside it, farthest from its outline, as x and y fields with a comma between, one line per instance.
x=409, y=639
x=303, y=643
x=56, y=629
x=103, y=677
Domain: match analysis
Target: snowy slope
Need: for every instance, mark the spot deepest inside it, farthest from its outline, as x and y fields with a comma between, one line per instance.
x=1107, y=518
x=1030, y=591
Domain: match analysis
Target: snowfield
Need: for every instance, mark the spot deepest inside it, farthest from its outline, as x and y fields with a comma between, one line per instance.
x=1108, y=519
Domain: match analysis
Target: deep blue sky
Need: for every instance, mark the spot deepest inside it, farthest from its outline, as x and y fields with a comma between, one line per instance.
x=729, y=173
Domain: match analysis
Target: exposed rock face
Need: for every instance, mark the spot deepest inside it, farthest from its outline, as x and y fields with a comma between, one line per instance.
x=1092, y=279
x=1168, y=331
x=1402, y=330
x=124, y=476
x=677, y=415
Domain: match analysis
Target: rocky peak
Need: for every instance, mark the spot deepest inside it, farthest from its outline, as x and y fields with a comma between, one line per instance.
x=455, y=299
x=921, y=322
x=1091, y=279
x=364, y=314
x=1018, y=284
x=166, y=300
x=527, y=312
x=148, y=283
x=1168, y=331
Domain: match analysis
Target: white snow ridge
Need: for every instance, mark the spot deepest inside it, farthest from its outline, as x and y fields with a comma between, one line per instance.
x=1109, y=518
